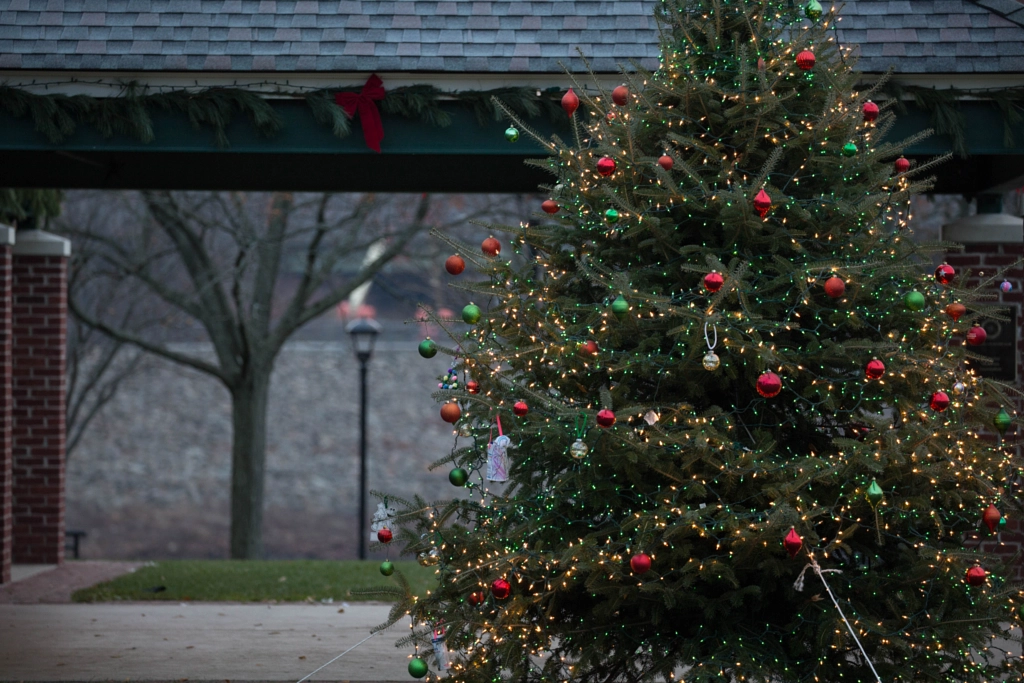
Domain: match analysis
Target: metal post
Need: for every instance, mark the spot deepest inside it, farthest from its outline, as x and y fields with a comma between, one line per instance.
x=363, y=528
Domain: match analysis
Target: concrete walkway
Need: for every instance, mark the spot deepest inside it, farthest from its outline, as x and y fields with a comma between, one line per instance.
x=197, y=642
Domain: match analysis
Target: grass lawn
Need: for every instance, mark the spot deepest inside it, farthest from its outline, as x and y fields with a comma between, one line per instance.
x=255, y=581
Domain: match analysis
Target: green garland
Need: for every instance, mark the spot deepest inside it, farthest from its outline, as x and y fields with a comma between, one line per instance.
x=57, y=116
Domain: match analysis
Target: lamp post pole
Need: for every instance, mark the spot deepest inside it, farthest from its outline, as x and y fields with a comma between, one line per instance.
x=364, y=333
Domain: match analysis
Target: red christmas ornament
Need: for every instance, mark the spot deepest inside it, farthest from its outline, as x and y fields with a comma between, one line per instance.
x=805, y=60
x=520, y=408
x=769, y=385
x=549, y=206
x=620, y=95
x=875, y=369
x=590, y=346
x=472, y=387
x=991, y=517
x=605, y=418
x=902, y=165
x=665, y=161
x=944, y=274
x=792, y=542
x=501, y=589
x=450, y=412
x=477, y=598
x=976, y=336
x=491, y=246
x=955, y=310
x=835, y=287
x=939, y=401
x=870, y=111
x=606, y=166
x=384, y=535
x=570, y=102
x=713, y=281
x=640, y=563
x=762, y=203
x=454, y=264
x=976, y=576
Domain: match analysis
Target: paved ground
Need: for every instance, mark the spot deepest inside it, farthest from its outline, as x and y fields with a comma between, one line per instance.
x=55, y=585
x=197, y=642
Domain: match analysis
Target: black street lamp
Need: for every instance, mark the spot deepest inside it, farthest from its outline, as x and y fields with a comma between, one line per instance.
x=364, y=333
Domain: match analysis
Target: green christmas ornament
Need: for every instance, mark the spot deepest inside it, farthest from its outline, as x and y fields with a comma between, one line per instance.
x=875, y=493
x=471, y=314
x=849, y=149
x=1002, y=421
x=812, y=10
x=458, y=477
x=914, y=301
x=511, y=134
x=1002, y=522
x=611, y=215
x=417, y=667
x=428, y=349
x=620, y=307
x=387, y=568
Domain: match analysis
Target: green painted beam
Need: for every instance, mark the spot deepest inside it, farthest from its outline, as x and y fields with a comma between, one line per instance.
x=305, y=155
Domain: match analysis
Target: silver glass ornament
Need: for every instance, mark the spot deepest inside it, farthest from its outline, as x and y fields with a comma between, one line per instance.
x=465, y=429
x=959, y=388
x=711, y=361
x=578, y=449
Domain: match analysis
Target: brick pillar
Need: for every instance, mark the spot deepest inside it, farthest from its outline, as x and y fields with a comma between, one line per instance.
x=993, y=241
x=39, y=338
x=6, y=460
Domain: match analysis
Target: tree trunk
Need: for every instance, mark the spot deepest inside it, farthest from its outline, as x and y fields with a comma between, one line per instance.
x=248, y=458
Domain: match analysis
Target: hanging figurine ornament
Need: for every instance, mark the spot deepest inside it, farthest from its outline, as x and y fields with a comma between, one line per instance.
x=454, y=264
x=955, y=310
x=812, y=10
x=640, y=563
x=944, y=274
x=578, y=450
x=874, y=369
x=914, y=301
x=497, y=457
x=491, y=246
x=711, y=360
x=977, y=335
x=939, y=401
x=991, y=517
x=870, y=110
x=501, y=589
x=835, y=287
x=805, y=60
x=450, y=412
x=427, y=348
x=666, y=162
x=769, y=385
x=976, y=576
x=570, y=102
x=606, y=166
x=549, y=206
x=520, y=408
x=762, y=203
x=620, y=95
x=902, y=165
x=792, y=542
x=511, y=134
x=713, y=281
x=382, y=521
x=440, y=648
x=605, y=418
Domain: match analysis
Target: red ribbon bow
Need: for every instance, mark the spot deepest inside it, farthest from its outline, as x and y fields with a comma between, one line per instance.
x=373, y=129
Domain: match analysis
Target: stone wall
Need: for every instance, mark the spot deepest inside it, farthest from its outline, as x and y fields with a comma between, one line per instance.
x=150, y=478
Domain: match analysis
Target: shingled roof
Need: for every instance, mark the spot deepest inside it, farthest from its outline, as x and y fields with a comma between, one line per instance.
x=916, y=36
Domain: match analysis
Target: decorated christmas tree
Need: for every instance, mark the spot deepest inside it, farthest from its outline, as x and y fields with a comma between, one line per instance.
x=716, y=416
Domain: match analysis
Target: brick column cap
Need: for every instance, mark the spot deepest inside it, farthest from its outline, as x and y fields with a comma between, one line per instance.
x=985, y=228
x=6, y=236
x=40, y=243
